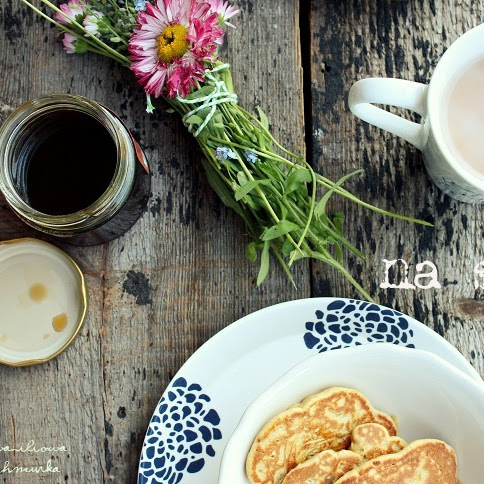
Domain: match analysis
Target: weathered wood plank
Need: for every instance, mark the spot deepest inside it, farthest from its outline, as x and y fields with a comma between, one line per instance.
x=178, y=277
x=356, y=39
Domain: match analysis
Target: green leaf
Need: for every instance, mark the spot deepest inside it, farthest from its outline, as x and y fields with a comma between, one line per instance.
x=194, y=119
x=284, y=210
x=338, y=219
x=297, y=255
x=251, y=202
x=242, y=191
x=81, y=46
x=287, y=247
x=221, y=189
x=202, y=92
x=338, y=252
x=242, y=177
x=263, y=118
x=294, y=180
x=320, y=207
x=203, y=113
x=251, y=252
x=229, y=164
x=264, y=264
x=282, y=227
x=269, y=170
x=169, y=110
x=262, y=140
x=218, y=118
x=203, y=136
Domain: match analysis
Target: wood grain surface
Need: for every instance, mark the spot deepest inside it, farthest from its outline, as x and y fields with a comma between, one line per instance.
x=351, y=40
x=180, y=275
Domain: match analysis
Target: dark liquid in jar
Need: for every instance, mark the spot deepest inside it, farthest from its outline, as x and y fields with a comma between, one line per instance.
x=64, y=162
x=72, y=163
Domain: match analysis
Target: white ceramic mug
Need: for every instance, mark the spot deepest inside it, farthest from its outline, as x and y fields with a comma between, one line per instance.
x=449, y=172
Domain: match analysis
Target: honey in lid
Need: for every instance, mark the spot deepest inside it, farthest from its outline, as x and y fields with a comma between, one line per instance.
x=43, y=301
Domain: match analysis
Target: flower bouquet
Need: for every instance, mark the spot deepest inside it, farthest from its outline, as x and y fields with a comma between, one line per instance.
x=171, y=47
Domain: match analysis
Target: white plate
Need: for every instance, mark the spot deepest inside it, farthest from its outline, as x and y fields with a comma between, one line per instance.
x=202, y=405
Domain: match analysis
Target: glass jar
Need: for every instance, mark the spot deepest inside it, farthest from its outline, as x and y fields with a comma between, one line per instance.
x=114, y=211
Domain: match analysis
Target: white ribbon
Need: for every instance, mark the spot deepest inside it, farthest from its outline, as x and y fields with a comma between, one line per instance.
x=219, y=95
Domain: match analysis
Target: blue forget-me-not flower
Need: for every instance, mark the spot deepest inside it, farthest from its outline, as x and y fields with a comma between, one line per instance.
x=251, y=157
x=222, y=152
x=140, y=5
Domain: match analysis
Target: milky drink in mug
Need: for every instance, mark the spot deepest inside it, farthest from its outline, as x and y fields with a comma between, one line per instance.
x=464, y=121
x=451, y=134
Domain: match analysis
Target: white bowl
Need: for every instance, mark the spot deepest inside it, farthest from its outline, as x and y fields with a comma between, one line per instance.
x=431, y=399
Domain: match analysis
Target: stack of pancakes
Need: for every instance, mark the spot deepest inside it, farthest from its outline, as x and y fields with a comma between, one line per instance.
x=336, y=436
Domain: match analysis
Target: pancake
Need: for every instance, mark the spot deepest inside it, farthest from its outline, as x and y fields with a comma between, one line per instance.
x=372, y=440
x=424, y=461
x=320, y=422
x=323, y=468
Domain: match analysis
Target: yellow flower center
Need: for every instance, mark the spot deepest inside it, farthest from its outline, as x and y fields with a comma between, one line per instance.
x=172, y=43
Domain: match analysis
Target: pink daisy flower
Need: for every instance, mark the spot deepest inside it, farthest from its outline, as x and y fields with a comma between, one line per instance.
x=91, y=23
x=172, y=40
x=224, y=11
x=72, y=9
x=69, y=43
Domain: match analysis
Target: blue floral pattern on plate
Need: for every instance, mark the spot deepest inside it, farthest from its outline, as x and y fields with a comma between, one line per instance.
x=351, y=323
x=180, y=435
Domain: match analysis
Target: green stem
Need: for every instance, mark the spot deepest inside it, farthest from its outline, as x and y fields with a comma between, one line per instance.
x=116, y=55
x=265, y=201
x=227, y=112
x=284, y=265
x=316, y=239
x=258, y=190
x=267, y=132
x=341, y=191
x=91, y=46
x=329, y=184
x=116, y=34
x=310, y=215
x=329, y=260
x=315, y=230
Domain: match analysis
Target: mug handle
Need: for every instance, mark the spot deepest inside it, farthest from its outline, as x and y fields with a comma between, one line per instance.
x=394, y=92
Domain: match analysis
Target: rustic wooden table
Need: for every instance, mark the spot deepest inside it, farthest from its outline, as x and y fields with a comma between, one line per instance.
x=180, y=275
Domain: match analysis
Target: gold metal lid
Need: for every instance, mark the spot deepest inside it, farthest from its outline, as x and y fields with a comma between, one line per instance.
x=43, y=301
